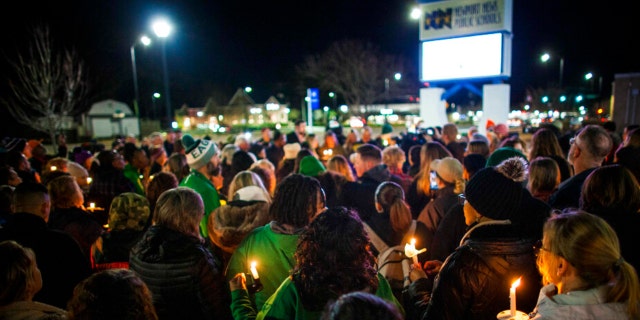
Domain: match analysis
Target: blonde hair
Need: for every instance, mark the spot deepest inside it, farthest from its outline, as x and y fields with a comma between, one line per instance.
x=394, y=157
x=65, y=192
x=180, y=209
x=270, y=169
x=544, y=175
x=390, y=196
x=339, y=164
x=17, y=274
x=243, y=179
x=430, y=151
x=592, y=247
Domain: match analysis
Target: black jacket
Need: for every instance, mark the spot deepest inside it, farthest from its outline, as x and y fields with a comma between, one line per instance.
x=186, y=279
x=59, y=258
x=474, y=281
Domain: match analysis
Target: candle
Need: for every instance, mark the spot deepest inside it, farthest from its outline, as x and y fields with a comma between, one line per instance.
x=254, y=271
x=411, y=251
x=413, y=244
x=54, y=168
x=92, y=205
x=89, y=180
x=512, y=296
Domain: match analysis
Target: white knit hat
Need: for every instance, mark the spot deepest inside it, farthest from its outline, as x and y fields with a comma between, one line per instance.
x=291, y=150
x=251, y=193
x=199, y=151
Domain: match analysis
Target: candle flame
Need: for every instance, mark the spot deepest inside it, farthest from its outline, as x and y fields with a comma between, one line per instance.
x=54, y=168
x=253, y=264
x=413, y=241
x=92, y=205
x=516, y=283
x=89, y=179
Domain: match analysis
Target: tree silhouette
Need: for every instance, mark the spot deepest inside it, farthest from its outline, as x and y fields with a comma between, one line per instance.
x=47, y=87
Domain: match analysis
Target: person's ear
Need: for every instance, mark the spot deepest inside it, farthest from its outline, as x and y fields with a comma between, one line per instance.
x=379, y=207
x=563, y=266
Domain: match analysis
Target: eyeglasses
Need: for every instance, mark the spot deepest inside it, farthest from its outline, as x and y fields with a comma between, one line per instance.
x=462, y=199
x=537, y=247
x=573, y=141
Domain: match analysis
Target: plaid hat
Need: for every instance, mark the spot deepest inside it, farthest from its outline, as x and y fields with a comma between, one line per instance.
x=311, y=166
x=448, y=169
x=199, y=151
x=494, y=195
x=129, y=211
x=502, y=154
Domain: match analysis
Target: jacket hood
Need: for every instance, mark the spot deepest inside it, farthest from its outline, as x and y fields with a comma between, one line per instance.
x=229, y=224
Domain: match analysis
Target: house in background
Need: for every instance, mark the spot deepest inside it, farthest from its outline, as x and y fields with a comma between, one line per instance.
x=109, y=118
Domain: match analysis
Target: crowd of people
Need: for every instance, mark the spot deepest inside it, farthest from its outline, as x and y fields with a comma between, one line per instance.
x=290, y=225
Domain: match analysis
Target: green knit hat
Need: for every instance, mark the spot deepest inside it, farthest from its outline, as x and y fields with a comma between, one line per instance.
x=502, y=154
x=311, y=166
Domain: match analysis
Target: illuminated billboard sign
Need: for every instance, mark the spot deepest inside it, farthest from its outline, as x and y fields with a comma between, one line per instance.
x=472, y=57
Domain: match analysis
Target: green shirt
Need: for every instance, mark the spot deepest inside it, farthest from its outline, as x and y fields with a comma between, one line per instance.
x=285, y=303
x=198, y=182
x=273, y=254
x=134, y=176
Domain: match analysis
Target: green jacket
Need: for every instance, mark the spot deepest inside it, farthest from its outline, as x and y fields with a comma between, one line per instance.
x=134, y=176
x=273, y=253
x=198, y=182
x=285, y=303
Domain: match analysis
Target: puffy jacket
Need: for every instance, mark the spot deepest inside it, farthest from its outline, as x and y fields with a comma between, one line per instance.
x=183, y=275
x=474, y=281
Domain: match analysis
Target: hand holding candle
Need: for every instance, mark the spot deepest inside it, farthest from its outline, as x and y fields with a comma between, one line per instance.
x=256, y=284
x=411, y=251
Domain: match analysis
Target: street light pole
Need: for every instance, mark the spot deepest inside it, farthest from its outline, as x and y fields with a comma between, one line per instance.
x=163, y=29
x=545, y=57
x=145, y=41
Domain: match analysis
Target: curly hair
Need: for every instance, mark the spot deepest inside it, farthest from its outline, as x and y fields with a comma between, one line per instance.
x=112, y=294
x=295, y=199
x=333, y=257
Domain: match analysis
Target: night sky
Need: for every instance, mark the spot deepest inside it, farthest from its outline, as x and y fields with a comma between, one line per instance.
x=219, y=46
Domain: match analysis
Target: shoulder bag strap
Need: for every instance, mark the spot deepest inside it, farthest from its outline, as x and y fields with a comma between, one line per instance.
x=375, y=239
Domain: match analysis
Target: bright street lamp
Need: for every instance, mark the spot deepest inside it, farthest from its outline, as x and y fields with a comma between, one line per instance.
x=546, y=57
x=162, y=28
x=145, y=41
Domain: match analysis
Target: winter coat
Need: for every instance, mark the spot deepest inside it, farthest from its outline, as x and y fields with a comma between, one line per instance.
x=185, y=278
x=474, y=281
x=436, y=209
x=106, y=186
x=59, y=257
x=568, y=193
x=31, y=310
x=198, y=182
x=80, y=224
x=416, y=200
x=360, y=194
x=577, y=305
x=273, y=253
x=112, y=249
x=448, y=234
x=286, y=303
x=228, y=225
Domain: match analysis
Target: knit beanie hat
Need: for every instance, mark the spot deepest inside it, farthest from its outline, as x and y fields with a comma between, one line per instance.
x=494, y=195
x=480, y=137
x=311, y=166
x=501, y=128
x=291, y=150
x=502, y=154
x=129, y=211
x=241, y=161
x=448, y=169
x=251, y=193
x=387, y=128
x=198, y=151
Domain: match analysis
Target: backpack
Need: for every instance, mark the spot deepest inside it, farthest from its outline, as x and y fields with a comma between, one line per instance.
x=392, y=263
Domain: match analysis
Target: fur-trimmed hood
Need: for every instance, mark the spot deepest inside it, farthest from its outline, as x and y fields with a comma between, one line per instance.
x=229, y=224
